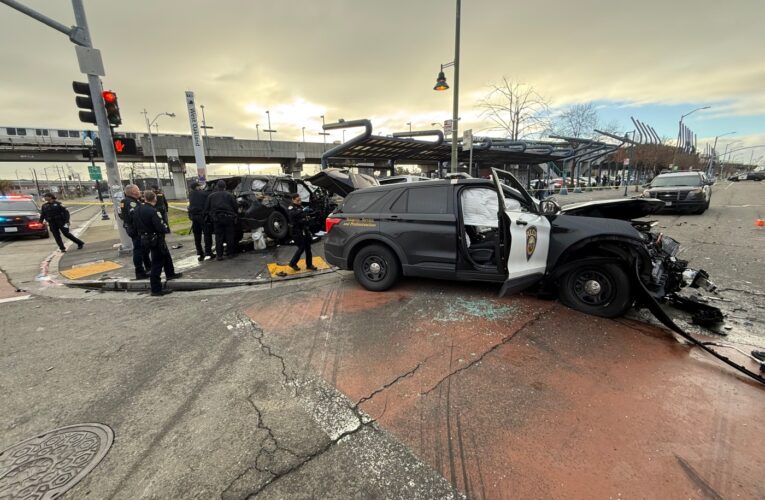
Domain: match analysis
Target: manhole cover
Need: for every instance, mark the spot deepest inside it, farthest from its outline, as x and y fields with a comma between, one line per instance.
x=48, y=465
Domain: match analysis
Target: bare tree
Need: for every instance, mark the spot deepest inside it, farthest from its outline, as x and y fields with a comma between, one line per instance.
x=5, y=187
x=579, y=120
x=516, y=109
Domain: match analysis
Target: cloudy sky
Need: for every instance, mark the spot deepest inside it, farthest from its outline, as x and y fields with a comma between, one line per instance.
x=653, y=60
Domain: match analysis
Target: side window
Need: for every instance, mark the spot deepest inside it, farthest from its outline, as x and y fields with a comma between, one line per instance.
x=430, y=200
x=11, y=131
x=399, y=206
x=21, y=131
x=259, y=185
x=74, y=133
x=282, y=187
x=45, y=131
x=358, y=202
x=38, y=131
x=62, y=133
x=305, y=194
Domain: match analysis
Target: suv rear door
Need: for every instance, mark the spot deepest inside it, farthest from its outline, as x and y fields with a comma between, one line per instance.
x=422, y=222
x=525, y=234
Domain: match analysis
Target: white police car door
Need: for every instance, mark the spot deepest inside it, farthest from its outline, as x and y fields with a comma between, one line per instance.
x=529, y=240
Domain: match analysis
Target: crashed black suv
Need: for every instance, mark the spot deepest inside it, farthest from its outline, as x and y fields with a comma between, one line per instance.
x=263, y=201
x=593, y=255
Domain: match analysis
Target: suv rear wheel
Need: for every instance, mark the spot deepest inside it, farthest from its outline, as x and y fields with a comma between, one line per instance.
x=376, y=268
x=276, y=226
x=603, y=289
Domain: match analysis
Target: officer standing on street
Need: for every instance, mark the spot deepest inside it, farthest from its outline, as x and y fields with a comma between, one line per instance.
x=57, y=217
x=162, y=205
x=128, y=205
x=152, y=230
x=222, y=207
x=201, y=225
x=300, y=233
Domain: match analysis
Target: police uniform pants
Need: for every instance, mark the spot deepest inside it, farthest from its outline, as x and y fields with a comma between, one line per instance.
x=224, y=231
x=141, y=259
x=303, y=243
x=58, y=231
x=200, y=227
x=160, y=260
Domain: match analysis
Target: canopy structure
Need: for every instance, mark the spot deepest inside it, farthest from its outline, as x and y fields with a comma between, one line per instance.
x=409, y=148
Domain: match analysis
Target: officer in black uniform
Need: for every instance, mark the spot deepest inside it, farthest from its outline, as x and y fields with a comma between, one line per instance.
x=57, y=217
x=152, y=230
x=200, y=220
x=162, y=205
x=300, y=233
x=128, y=205
x=222, y=207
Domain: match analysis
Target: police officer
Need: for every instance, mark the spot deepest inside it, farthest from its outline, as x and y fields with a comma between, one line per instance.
x=128, y=205
x=162, y=205
x=300, y=233
x=200, y=220
x=222, y=207
x=152, y=230
x=57, y=217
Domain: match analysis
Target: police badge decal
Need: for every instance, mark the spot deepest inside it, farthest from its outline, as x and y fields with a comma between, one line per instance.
x=531, y=241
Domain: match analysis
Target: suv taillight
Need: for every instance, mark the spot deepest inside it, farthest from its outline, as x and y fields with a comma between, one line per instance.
x=35, y=225
x=330, y=223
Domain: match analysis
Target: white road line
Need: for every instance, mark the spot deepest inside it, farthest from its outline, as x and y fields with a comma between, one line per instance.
x=729, y=185
x=14, y=299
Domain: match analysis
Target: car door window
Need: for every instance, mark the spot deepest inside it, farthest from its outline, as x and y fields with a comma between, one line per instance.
x=430, y=200
x=282, y=187
x=258, y=185
x=305, y=194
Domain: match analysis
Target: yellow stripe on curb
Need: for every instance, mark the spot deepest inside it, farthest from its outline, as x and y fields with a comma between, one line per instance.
x=90, y=269
x=276, y=270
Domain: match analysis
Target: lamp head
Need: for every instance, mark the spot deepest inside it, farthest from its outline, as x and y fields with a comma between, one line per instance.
x=441, y=82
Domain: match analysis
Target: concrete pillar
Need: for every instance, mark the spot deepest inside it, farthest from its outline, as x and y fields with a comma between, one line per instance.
x=178, y=172
x=293, y=168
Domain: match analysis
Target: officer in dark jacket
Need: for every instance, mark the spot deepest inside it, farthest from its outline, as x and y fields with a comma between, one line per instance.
x=200, y=220
x=128, y=205
x=300, y=233
x=162, y=205
x=152, y=230
x=222, y=207
x=57, y=217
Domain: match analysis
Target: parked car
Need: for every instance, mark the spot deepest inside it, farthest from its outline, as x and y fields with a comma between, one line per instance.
x=594, y=255
x=397, y=179
x=20, y=216
x=681, y=191
x=748, y=176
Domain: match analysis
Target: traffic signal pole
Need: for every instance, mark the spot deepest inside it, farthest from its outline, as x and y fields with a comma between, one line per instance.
x=80, y=35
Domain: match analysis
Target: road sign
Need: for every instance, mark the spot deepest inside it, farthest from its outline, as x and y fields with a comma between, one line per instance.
x=95, y=173
x=447, y=127
x=467, y=139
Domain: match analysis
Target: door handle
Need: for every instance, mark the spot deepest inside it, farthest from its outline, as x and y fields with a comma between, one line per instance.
x=520, y=222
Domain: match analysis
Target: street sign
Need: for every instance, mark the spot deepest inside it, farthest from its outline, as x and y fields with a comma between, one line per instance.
x=95, y=173
x=467, y=139
x=447, y=127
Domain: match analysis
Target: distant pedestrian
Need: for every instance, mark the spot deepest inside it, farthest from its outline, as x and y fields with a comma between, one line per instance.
x=152, y=230
x=300, y=233
x=141, y=256
x=57, y=217
x=162, y=205
x=222, y=207
x=201, y=224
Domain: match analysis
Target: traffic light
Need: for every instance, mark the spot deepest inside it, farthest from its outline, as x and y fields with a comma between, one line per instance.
x=84, y=101
x=112, y=108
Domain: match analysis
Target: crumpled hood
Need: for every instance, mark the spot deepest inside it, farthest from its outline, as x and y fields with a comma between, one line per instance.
x=623, y=209
x=341, y=181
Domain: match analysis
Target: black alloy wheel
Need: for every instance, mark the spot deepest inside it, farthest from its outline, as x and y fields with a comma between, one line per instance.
x=376, y=268
x=276, y=226
x=603, y=289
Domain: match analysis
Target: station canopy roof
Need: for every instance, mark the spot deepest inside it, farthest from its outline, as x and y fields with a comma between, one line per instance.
x=486, y=151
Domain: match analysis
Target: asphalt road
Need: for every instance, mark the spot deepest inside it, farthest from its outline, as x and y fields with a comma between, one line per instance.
x=318, y=389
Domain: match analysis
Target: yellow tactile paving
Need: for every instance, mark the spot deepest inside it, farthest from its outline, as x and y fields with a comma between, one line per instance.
x=275, y=269
x=90, y=269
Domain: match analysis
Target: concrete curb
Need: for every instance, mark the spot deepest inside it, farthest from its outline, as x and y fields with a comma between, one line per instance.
x=190, y=284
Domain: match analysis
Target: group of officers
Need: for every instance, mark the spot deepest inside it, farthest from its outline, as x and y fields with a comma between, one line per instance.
x=144, y=217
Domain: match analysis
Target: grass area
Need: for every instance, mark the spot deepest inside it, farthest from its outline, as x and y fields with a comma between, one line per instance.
x=179, y=221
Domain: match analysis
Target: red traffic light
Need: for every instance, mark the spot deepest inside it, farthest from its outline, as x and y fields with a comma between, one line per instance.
x=109, y=96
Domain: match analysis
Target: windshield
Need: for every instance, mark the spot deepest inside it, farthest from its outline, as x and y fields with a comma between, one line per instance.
x=17, y=206
x=676, y=180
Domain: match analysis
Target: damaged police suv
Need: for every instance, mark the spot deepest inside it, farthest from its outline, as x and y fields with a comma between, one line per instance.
x=594, y=255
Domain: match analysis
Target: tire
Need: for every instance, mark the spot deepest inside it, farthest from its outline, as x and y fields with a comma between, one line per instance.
x=276, y=226
x=45, y=236
x=612, y=297
x=376, y=268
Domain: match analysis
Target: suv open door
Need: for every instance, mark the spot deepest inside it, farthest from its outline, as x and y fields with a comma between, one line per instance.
x=525, y=236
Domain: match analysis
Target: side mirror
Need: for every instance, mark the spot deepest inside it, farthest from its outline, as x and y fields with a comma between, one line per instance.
x=549, y=207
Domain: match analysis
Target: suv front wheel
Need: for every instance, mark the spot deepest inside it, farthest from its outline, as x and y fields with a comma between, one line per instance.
x=376, y=268
x=276, y=226
x=602, y=289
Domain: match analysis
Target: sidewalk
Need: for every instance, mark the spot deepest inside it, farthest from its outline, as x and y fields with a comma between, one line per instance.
x=100, y=265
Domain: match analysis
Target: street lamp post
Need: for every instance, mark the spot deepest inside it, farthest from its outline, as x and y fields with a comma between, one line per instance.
x=151, y=139
x=410, y=126
x=303, y=136
x=441, y=86
x=257, y=130
x=270, y=131
x=680, y=130
x=710, y=170
x=323, y=133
